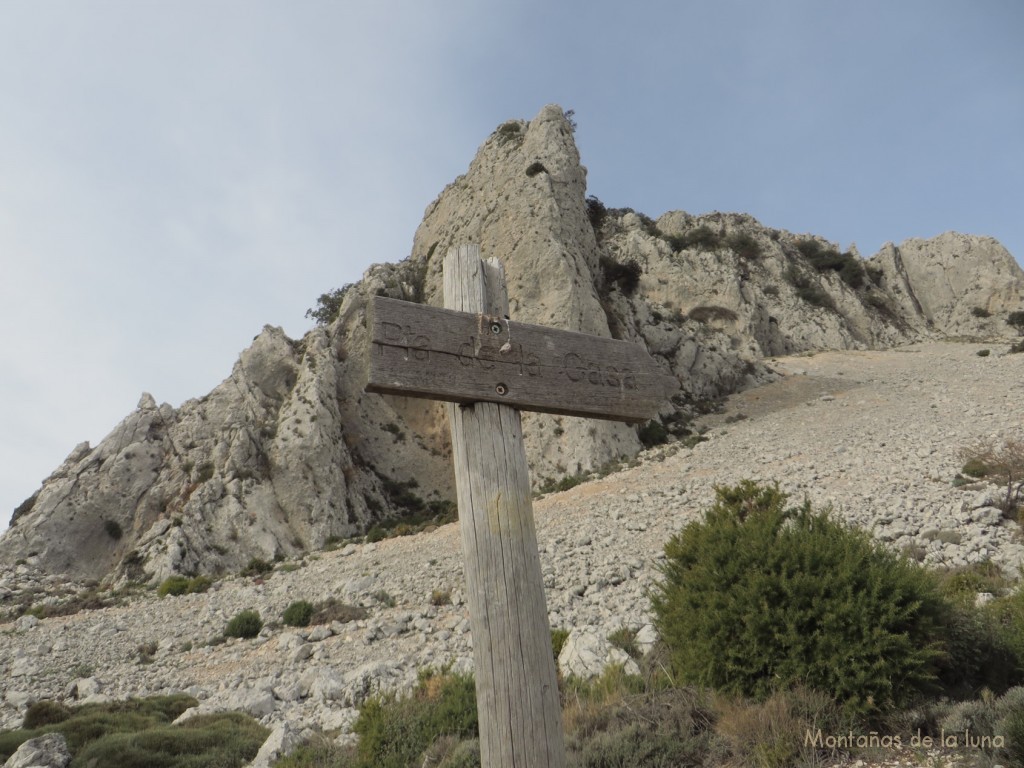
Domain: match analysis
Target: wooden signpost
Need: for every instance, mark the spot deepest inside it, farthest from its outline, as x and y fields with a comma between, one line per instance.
x=488, y=368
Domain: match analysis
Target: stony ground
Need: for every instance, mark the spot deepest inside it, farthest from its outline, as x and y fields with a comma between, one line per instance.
x=874, y=434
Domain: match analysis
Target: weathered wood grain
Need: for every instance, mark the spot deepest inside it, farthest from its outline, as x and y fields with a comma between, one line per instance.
x=467, y=357
x=517, y=689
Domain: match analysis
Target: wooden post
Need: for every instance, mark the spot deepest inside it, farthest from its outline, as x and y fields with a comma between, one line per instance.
x=516, y=685
x=486, y=368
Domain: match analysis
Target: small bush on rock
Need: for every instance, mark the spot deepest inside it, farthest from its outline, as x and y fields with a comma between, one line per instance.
x=244, y=624
x=758, y=597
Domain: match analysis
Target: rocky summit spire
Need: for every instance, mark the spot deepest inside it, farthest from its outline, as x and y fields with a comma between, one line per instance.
x=288, y=452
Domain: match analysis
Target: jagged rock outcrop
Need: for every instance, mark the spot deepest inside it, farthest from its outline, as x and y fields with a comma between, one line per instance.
x=959, y=285
x=288, y=452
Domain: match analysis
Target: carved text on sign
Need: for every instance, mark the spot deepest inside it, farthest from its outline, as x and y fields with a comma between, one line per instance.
x=422, y=351
x=403, y=337
x=577, y=369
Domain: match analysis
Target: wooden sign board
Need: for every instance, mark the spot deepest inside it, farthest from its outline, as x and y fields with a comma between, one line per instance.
x=461, y=357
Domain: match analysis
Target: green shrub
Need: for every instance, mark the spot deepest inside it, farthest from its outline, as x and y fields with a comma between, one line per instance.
x=535, y=168
x=980, y=312
x=328, y=305
x=45, y=713
x=983, y=352
x=743, y=245
x=758, y=597
x=849, y=268
x=701, y=238
x=809, y=290
x=86, y=724
x=394, y=733
x=257, y=567
x=1016, y=320
x=1011, y=728
x=298, y=614
x=182, y=585
x=652, y=433
x=596, y=212
x=558, y=638
x=624, y=274
x=1007, y=617
x=624, y=639
x=225, y=739
x=245, y=624
x=975, y=467
x=113, y=529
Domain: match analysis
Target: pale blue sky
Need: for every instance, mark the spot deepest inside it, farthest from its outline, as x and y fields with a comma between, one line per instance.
x=175, y=175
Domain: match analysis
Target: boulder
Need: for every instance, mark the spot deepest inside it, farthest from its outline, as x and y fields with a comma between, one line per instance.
x=49, y=751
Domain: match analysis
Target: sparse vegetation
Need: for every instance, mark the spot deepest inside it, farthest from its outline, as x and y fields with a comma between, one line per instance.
x=1016, y=320
x=822, y=258
x=257, y=567
x=183, y=585
x=701, y=238
x=809, y=289
x=1002, y=463
x=558, y=638
x=328, y=305
x=510, y=131
x=534, y=168
x=557, y=485
x=419, y=515
x=712, y=314
x=137, y=733
x=624, y=275
x=743, y=245
x=332, y=609
x=624, y=639
x=596, y=212
x=652, y=433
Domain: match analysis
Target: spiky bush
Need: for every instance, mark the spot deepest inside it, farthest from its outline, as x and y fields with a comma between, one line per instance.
x=759, y=597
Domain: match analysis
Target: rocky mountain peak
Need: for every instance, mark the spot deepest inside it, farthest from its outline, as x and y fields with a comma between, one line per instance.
x=288, y=452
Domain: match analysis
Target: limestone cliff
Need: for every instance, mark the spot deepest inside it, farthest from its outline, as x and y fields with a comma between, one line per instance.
x=289, y=452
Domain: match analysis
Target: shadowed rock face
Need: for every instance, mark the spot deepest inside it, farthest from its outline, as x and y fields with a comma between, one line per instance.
x=288, y=452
